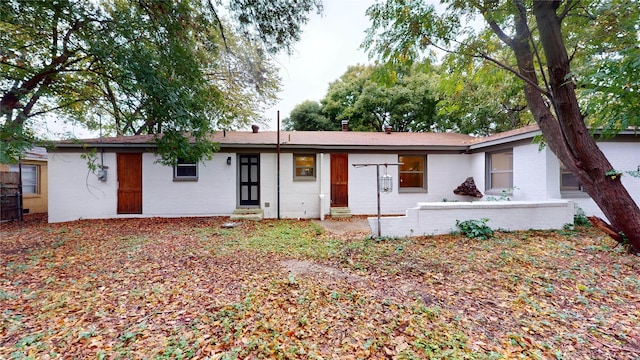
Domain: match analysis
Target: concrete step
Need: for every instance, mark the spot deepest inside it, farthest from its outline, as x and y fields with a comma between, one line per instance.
x=247, y=214
x=340, y=212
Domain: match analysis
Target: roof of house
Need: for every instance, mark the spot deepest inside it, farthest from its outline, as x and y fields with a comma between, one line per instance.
x=299, y=139
x=326, y=140
x=36, y=153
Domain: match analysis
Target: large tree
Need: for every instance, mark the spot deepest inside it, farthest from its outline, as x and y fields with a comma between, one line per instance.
x=538, y=34
x=477, y=98
x=156, y=67
x=307, y=116
x=406, y=102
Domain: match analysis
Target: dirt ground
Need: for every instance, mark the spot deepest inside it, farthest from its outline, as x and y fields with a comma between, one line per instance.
x=344, y=225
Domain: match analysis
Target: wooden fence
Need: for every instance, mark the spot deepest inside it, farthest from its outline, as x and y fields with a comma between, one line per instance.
x=10, y=197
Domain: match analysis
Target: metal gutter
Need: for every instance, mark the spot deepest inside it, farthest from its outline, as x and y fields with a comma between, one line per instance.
x=505, y=140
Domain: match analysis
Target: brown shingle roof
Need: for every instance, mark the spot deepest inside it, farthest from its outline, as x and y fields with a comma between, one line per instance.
x=309, y=139
x=326, y=139
x=506, y=134
x=343, y=138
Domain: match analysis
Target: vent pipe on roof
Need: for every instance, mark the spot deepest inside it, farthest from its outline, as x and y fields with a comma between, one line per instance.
x=388, y=129
x=255, y=128
x=345, y=125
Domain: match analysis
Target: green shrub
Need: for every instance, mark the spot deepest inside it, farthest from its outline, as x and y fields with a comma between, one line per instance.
x=580, y=219
x=475, y=229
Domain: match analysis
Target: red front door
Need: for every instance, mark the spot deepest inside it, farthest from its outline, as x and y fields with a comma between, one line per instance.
x=129, y=183
x=339, y=180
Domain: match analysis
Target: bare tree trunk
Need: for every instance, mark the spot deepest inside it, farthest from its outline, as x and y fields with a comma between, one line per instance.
x=568, y=135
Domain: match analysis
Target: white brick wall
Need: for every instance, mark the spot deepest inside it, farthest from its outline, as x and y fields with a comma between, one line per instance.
x=213, y=194
x=440, y=218
x=529, y=173
x=444, y=173
x=75, y=194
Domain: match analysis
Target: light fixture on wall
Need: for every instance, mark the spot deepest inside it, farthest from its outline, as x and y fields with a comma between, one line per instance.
x=229, y=160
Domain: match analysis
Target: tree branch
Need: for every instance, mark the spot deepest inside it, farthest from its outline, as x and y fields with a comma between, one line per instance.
x=220, y=27
x=513, y=71
x=501, y=34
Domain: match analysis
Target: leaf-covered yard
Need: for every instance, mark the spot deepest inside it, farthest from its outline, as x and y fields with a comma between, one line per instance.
x=189, y=288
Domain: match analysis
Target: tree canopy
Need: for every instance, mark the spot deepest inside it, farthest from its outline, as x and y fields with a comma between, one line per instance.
x=370, y=104
x=308, y=116
x=478, y=100
x=173, y=68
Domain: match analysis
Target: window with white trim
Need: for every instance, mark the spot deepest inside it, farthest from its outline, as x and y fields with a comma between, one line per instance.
x=500, y=170
x=30, y=178
x=185, y=171
x=304, y=167
x=412, y=175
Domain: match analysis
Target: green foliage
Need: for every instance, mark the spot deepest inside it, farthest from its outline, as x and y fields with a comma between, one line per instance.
x=282, y=237
x=609, y=77
x=579, y=218
x=132, y=67
x=505, y=195
x=307, y=116
x=408, y=102
x=612, y=174
x=91, y=157
x=278, y=24
x=634, y=173
x=475, y=229
x=478, y=98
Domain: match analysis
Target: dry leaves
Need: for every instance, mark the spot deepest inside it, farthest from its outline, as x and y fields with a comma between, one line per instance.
x=187, y=288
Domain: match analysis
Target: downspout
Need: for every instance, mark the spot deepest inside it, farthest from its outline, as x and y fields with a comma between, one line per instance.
x=278, y=165
x=321, y=194
x=20, y=192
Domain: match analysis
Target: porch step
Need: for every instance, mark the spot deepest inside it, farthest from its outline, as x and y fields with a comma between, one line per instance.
x=341, y=212
x=247, y=214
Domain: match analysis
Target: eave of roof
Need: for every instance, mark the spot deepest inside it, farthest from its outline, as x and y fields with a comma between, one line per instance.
x=329, y=140
x=332, y=140
x=523, y=133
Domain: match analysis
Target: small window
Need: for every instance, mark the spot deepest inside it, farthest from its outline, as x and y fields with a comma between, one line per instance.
x=413, y=173
x=304, y=167
x=185, y=171
x=568, y=181
x=30, y=178
x=500, y=170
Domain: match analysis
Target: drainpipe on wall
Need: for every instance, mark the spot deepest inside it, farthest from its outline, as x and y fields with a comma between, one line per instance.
x=321, y=195
x=20, y=192
x=278, y=166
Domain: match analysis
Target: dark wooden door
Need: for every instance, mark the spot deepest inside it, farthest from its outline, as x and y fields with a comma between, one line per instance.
x=339, y=180
x=129, y=183
x=249, y=174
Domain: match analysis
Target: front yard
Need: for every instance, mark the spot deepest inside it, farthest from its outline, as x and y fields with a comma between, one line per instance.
x=189, y=288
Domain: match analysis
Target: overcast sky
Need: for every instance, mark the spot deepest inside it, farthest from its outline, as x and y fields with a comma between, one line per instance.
x=329, y=44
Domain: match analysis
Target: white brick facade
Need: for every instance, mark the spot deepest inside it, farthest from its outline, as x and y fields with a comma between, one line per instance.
x=76, y=194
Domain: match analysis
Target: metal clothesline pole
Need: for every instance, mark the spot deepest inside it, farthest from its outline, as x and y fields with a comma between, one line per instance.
x=377, y=165
x=378, y=191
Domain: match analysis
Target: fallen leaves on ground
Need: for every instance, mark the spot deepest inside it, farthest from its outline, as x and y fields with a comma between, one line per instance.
x=189, y=288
